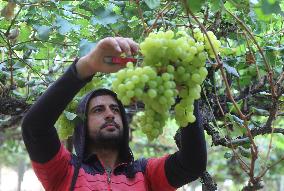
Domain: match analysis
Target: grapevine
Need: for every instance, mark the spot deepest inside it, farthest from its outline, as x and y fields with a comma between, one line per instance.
x=173, y=66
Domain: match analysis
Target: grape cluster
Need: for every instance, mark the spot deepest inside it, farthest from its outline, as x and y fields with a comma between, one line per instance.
x=156, y=91
x=202, y=38
x=173, y=65
x=65, y=124
x=64, y=127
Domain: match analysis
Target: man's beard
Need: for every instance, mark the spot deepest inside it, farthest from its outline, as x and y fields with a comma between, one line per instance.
x=106, y=141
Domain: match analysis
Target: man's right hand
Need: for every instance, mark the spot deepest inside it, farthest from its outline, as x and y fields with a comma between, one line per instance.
x=111, y=46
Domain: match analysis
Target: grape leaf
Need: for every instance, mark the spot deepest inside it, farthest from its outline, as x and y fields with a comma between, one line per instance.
x=105, y=16
x=65, y=26
x=231, y=70
x=43, y=31
x=269, y=7
x=194, y=5
x=216, y=5
x=152, y=4
x=85, y=47
x=70, y=116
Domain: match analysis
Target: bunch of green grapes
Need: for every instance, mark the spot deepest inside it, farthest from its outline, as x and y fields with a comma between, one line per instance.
x=173, y=66
x=64, y=127
x=65, y=124
x=200, y=37
x=157, y=92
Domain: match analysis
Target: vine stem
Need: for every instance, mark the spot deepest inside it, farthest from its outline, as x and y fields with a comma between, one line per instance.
x=158, y=16
x=11, y=65
x=13, y=22
x=270, y=142
x=268, y=68
x=252, y=165
x=251, y=53
x=141, y=16
x=269, y=167
x=278, y=83
x=243, y=164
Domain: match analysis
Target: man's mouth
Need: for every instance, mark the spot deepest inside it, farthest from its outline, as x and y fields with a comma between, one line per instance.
x=110, y=126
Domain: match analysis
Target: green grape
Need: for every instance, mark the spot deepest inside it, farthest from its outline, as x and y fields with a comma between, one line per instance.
x=129, y=65
x=138, y=92
x=180, y=70
x=152, y=84
x=166, y=76
x=169, y=93
x=190, y=117
x=203, y=72
x=170, y=69
x=196, y=78
x=152, y=93
x=130, y=94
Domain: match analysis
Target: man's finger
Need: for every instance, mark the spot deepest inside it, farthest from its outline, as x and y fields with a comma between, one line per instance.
x=123, y=43
x=133, y=45
x=110, y=42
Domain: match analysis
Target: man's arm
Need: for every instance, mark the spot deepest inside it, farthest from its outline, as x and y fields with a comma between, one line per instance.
x=189, y=162
x=38, y=130
x=173, y=171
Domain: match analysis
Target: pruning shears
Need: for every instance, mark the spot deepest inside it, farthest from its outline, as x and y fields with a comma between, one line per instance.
x=119, y=60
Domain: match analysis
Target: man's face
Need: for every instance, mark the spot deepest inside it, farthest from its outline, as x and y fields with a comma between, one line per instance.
x=104, y=120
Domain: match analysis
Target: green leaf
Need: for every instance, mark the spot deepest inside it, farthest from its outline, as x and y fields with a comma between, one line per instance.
x=85, y=47
x=105, y=16
x=65, y=26
x=24, y=33
x=245, y=80
x=258, y=111
x=70, y=116
x=216, y=5
x=19, y=64
x=269, y=7
x=231, y=70
x=194, y=5
x=265, y=9
x=270, y=55
x=152, y=4
x=245, y=152
x=43, y=31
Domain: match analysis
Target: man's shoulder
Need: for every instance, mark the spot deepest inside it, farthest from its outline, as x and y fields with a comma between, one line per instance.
x=140, y=163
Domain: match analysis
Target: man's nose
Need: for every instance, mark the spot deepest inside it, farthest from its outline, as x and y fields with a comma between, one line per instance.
x=109, y=114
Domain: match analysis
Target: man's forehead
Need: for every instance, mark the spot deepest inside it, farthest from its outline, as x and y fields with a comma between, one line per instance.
x=103, y=100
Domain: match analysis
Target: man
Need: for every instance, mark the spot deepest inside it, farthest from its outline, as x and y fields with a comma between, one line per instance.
x=103, y=159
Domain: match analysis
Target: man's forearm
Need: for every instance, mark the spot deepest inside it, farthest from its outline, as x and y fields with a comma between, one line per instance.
x=38, y=129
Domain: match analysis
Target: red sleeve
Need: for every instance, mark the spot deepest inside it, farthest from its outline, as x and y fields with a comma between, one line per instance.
x=55, y=174
x=156, y=176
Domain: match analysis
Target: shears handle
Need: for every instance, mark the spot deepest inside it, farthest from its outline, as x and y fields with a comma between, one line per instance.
x=118, y=60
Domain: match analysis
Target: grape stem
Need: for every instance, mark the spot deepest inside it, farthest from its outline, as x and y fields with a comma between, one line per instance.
x=141, y=16
x=251, y=53
x=268, y=68
x=158, y=16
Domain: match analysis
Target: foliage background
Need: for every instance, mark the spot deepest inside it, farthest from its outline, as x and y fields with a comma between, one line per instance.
x=242, y=101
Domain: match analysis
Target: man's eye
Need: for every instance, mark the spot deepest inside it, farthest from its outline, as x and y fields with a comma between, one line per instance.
x=116, y=110
x=97, y=110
